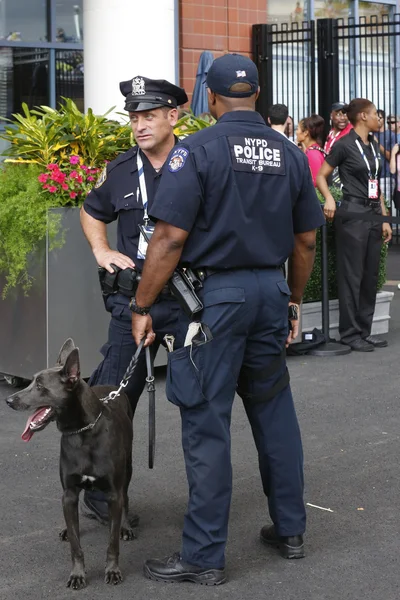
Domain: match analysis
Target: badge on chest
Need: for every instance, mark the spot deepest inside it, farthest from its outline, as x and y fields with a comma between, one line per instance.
x=257, y=155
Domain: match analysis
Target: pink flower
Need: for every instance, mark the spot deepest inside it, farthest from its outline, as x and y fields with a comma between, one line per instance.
x=64, y=186
x=74, y=159
x=90, y=178
x=52, y=166
x=85, y=168
x=73, y=174
x=42, y=177
x=52, y=189
x=73, y=195
x=79, y=178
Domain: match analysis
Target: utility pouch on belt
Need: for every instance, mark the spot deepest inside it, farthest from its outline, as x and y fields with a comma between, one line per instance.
x=128, y=280
x=108, y=281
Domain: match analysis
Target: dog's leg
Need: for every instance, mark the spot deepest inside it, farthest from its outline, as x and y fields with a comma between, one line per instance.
x=77, y=579
x=115, y=509
x=127, y=532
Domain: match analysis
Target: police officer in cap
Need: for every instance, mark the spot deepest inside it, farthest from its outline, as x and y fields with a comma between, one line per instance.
x=235, y=201
x=125, y=192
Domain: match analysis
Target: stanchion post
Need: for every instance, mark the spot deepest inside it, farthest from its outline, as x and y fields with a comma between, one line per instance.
x=328, y=348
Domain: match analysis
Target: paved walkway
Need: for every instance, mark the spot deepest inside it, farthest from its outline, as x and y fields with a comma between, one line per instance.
x=349, y=413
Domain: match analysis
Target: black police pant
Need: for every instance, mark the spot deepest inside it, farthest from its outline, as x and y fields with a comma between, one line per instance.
x=120, y=346
x=358, y=251
x=247, y=312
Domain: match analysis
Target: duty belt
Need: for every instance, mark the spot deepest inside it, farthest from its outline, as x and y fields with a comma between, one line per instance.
x=204, y=272
x=362, y=201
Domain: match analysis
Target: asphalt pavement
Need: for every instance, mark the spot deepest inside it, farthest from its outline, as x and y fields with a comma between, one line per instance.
x=348, y=408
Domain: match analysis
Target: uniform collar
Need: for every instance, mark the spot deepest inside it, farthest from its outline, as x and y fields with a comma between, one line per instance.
x=355, y=136
x=251, y=116
x=144, y=158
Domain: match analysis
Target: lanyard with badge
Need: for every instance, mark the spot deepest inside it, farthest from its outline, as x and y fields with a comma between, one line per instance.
x=373, y=187
x=142, y=248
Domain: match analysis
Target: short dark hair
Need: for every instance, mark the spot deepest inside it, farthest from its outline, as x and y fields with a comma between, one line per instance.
x=315, y=126
x=381, y=113
x=355, y=107
x=278, y=114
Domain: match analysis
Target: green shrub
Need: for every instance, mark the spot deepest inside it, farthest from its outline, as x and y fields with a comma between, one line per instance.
x=24, y=222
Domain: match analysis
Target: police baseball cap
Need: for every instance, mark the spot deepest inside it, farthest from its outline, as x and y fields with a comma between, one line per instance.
x=142, y=93
x=230, y=69
x=338, y=106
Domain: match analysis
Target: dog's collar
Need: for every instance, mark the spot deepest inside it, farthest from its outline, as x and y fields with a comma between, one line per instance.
x=82, y=429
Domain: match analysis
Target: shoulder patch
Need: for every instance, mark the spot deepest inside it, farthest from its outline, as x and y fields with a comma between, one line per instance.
x=101, y=179
x=257, y=155
x=178, y=159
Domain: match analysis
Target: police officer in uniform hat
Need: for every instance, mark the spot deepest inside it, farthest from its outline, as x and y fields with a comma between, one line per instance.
x=125, y=192
x=235, y=201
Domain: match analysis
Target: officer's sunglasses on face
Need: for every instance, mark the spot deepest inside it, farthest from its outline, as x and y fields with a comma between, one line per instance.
x=391, y=122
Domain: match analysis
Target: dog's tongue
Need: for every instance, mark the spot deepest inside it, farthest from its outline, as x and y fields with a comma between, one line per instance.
x=28, y=433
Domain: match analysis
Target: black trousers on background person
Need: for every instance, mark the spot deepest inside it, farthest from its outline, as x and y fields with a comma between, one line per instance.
x=358, y=251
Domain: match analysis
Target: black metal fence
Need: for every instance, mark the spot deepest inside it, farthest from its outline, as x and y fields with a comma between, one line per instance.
x=310, y=65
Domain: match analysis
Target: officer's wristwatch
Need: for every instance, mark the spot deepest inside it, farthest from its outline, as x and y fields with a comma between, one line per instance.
x=139, y=310
x=293, y=312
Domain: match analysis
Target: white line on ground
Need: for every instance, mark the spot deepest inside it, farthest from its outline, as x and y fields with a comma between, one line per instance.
x=320, y=507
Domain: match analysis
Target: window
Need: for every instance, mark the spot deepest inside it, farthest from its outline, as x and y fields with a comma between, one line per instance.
x=286, y=12
x=69, y=21
x=69, y=76
x=23, y=78
x=23, y=20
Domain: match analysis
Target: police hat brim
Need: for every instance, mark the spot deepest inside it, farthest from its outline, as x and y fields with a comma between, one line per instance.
x=139, y=106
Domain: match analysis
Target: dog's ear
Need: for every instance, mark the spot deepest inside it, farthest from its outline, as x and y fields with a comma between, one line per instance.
x=71, y=371
x=66, y=349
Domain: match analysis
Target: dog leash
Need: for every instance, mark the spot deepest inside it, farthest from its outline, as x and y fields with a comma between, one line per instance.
x=151, y=391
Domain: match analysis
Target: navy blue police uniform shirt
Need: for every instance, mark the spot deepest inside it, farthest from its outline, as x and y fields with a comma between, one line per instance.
x=241, y=190
x=117, y=195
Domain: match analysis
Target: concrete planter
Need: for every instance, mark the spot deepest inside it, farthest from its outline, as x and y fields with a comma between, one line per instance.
x=311, y=315
x=64, y=301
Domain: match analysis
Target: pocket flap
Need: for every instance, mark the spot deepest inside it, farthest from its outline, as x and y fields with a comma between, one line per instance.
x=129, y=203
x=234, y=295
x=283, y=286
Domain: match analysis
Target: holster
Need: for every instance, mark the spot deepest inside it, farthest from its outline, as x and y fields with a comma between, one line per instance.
x=108, y=281
x=122, y=281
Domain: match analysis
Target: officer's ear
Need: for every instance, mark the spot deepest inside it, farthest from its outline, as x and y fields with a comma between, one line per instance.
x=258, y=92
x=212, y=98
x=173, y=116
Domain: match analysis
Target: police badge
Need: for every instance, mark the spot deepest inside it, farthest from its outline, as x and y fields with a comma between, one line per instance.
x=138, y=87
x=101, y=179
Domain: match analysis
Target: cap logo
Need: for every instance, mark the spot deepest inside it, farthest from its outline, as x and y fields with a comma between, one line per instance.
x=240, y=73
x=138, y=88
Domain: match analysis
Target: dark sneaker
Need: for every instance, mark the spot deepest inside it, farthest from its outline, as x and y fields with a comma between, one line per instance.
x=360, y=345
x=95, y=506
x=290, y=547
x=172, y=569
x=376, y=341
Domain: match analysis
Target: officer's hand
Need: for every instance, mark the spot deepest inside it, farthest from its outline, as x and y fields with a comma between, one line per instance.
x=107, y=257
x=294, y=331
x=386, y=232
x=142, y=326
x=329, y=208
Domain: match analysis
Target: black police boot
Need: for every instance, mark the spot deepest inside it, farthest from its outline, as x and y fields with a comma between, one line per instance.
x=172, y=569
x=94, y=506
x=290, y=547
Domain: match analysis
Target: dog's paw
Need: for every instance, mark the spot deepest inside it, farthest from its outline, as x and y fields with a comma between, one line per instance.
x=113, y=575
x=76, y=581
x=63, y=535
x=127, y=534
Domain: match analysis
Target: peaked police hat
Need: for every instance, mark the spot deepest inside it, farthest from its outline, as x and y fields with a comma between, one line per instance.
x=142, y=93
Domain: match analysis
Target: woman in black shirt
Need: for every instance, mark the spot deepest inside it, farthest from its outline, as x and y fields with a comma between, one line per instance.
x=358, y=242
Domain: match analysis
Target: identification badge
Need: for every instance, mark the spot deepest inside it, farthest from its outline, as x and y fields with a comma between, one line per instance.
x=146, y=231
x=373, y=189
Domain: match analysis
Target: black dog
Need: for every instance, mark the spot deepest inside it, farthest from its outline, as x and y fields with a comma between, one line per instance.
x=96, y=450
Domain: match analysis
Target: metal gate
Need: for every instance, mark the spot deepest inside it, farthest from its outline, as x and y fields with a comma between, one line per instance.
x=347, y=59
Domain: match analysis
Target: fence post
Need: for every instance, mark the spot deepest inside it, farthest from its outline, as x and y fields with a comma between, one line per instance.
x=262, y=56
x=328, y=68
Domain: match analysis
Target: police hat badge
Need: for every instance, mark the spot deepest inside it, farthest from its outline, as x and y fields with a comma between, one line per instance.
x=138, y=86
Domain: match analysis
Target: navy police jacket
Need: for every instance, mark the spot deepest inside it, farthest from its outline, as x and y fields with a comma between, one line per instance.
x=241, y=190
x=117, y=195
